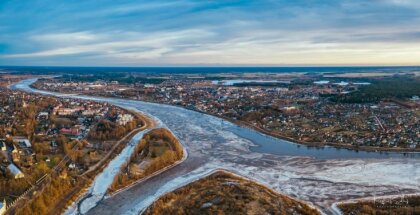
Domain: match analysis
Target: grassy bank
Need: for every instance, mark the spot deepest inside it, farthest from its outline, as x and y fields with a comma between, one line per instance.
x=155, y=151
x=225, y=193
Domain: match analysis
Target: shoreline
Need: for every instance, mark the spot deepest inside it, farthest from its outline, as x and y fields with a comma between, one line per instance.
x=207, y=114
x=279, y=136
x=241, y=177
x=87, y=177
x=111, y=193
x=336, y=205
x=101, y=165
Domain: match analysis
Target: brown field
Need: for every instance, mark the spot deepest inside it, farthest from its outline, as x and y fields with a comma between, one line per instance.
x=225, y=193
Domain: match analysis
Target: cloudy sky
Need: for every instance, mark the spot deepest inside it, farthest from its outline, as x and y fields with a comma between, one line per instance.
x=224, y=32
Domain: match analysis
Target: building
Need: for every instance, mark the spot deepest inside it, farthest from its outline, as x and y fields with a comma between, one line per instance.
x=124, y=119
x=15, y=154
x=61, y=111
x=22, y=142
x=15, y=171
x=70, y=131
x=43, y=116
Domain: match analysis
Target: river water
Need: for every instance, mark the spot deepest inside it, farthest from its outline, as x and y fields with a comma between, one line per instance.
x=320, y=176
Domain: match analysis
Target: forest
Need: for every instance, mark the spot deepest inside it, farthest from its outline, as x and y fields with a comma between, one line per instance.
x=396, y=87
x=122, y=78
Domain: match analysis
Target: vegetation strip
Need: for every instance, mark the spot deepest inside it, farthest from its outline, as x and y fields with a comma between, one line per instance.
x=157, y=150
x=225, y=193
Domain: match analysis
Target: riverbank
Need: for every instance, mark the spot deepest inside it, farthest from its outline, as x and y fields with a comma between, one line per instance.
x=226, y=193
x=211, y=146
x=310, y=144
x=319, y=144
x=90, y=174
x=295, y=140
x=395, y=204
x=47, y=190
x=157, y=150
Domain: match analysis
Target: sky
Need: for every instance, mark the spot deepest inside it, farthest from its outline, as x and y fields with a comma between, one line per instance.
x=224, y=32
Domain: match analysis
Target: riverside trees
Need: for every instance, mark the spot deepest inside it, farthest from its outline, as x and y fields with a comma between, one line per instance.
x=156, y=150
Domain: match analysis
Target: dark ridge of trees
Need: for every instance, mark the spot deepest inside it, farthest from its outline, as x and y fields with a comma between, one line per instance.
x=123, y=78
x=380, y=89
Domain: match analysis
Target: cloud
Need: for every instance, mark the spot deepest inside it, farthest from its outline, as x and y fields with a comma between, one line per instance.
x=133, y=44
x=209, y=32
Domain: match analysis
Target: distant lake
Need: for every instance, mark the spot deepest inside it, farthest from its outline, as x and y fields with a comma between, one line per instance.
x=342, y=83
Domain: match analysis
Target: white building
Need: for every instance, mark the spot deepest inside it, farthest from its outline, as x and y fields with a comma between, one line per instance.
x=15, y=171
x=123, y=119
x=43, y=115
x=23, y=142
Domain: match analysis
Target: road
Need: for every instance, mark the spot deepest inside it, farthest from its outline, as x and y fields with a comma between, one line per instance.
x=318, y=176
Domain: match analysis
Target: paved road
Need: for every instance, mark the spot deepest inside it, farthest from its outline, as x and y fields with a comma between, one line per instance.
x=211, y=144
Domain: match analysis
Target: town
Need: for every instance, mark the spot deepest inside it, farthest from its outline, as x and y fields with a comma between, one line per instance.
x=300, y=109
x=54, y=142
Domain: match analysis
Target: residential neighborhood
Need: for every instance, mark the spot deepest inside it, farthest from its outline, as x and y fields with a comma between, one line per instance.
x=40, y=135
x=298, y=109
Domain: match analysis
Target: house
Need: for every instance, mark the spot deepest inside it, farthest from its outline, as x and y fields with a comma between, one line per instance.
x=43, y=116
x=15, y=171
x=3, y=206
x=23, y=142
x=15, y=154
x=70, y=131
x=123, y=119
x=61, y=111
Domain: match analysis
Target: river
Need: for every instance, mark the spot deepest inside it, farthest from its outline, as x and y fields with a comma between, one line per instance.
x=320, y=176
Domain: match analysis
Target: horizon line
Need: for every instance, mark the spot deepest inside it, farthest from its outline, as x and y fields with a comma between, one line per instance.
x=218, y=66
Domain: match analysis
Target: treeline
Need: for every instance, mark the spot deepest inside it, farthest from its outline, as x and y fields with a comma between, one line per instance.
x=107, y=130
x=380, y=89
x=9, y=186
x=169, y=157
x=41, y=203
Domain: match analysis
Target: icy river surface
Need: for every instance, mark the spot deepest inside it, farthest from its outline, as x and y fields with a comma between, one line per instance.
x=320, y=176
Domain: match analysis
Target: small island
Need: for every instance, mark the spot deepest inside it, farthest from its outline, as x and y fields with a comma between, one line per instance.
x=225, y=193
